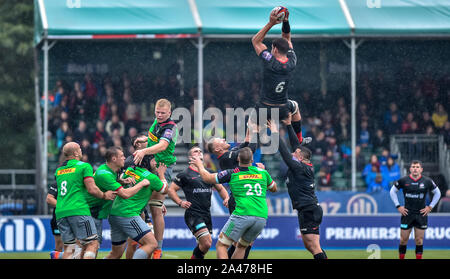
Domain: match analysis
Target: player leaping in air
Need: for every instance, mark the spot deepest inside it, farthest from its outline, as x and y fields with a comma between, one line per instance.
x=278, y=65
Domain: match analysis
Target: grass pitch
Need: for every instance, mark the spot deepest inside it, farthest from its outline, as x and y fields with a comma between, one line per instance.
x=267, y=254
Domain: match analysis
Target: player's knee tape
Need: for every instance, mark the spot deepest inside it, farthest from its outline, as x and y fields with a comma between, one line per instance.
x=89, y=255
x=294, y=107
x=202, y=234
x=225, y=240
x=243, y=242
x=88, y=239
x=156, y=203
x=71, y=247
x=151, y=227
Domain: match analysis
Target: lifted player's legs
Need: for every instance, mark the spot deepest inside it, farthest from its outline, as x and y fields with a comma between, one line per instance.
x=296, y=123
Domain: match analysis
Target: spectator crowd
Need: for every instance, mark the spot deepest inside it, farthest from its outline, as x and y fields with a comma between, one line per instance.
x=102, y=111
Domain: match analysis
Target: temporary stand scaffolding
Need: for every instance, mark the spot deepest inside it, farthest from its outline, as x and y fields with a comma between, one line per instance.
x=350, y=20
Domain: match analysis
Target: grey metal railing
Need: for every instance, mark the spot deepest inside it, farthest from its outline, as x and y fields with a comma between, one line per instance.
x=18, y=192
x=426, y=148
x=444, y=159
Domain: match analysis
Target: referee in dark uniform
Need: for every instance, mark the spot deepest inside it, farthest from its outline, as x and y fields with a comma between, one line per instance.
x=415, y=212
x=301, y=189
x=198, y=203
x=278, y=66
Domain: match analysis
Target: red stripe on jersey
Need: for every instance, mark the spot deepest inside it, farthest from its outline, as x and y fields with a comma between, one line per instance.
x=166, y=123
x=88, y=177
x=283, y=62
x=415, y=180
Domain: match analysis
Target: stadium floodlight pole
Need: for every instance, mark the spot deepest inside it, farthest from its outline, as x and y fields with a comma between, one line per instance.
x=44, y=132
x=38, y=143
x=353, y=45
x=353, y=80
x=199, y=139
x=46, y=48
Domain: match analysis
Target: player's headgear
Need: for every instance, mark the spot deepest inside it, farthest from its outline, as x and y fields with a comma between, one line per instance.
x=145, y=163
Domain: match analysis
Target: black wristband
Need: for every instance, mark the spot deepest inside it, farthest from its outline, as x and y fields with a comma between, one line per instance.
x=286, y=28
x=397, y=206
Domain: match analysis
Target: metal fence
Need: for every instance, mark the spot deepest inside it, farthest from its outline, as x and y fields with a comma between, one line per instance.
x=18, y=192
x=426, y=148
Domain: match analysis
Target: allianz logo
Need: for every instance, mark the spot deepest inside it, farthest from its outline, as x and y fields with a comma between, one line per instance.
x=362, y=204
x=21, y=234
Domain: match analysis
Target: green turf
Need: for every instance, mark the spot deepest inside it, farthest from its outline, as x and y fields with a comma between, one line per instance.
x=266, y=254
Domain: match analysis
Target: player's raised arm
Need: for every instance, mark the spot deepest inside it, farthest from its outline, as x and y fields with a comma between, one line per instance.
x=159, y=147
x=258, y=38
x=222, y=193
x=286, y=29
x=208, y=177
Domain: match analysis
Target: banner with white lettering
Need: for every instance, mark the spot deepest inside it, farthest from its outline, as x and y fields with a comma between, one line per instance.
x=333, y=202
x=32, y=234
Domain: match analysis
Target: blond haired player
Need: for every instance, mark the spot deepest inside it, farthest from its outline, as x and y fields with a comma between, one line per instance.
x=162, y=137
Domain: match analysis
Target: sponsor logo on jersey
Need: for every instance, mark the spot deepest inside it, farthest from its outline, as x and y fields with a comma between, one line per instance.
x=222, y=174
x=267, y=55
x=168, y=134
x=152, y=137
x=65, y=171
x=422, y=185
x=250, y=176
x=130, y=173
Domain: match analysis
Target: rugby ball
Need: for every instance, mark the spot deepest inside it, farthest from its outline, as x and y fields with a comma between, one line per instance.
x=279, y=12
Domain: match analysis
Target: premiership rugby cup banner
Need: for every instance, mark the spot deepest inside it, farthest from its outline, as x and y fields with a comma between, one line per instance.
x=33, y=233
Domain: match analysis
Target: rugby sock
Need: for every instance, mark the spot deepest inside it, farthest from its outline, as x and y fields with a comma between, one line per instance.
x=297, y=125
x=320, y=256
x=231, y=251
x=419, y=252
x=140, y=254
x=401, y=251
x=160, y=242
x=247, y=251
x=197, y=253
